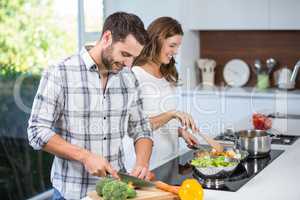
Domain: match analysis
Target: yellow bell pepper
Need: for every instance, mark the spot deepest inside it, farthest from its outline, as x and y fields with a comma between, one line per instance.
x=190, y=189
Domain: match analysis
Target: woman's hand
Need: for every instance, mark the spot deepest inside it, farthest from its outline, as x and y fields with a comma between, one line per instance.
x=188, y=137
x=186, y=120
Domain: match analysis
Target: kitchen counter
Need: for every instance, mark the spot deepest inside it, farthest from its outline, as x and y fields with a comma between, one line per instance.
x=277, y=181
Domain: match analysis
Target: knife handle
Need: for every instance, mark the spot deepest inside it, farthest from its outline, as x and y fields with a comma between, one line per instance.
x=166, y=187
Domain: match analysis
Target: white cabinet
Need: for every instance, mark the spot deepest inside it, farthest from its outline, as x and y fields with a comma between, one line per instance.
x=284, y=14
x=227, y=15
x=243, y=15
x=146, y=10
x=290, y=125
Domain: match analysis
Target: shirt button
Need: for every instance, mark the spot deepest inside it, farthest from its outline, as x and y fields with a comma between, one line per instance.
x=104, y=117
x=104, y=138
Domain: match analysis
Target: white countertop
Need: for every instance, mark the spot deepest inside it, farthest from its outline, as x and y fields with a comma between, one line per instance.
x=278, y=181
x=241, y=92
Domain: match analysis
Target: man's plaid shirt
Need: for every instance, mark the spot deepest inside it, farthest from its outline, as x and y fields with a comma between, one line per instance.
x=71, y=103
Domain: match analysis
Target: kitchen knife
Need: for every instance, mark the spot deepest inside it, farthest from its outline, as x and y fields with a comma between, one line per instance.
x=134, y=180
x=142, y=183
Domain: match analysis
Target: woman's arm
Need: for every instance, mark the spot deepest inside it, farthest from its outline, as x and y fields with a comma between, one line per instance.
x=160, y=120
x=185, y=119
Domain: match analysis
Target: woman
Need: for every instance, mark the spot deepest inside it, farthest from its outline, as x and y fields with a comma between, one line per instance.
x=155, y=70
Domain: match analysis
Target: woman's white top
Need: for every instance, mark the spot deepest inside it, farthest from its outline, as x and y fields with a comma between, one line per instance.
x=159, y=96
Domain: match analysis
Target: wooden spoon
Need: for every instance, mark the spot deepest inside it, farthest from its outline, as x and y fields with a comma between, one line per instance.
x=213, y=143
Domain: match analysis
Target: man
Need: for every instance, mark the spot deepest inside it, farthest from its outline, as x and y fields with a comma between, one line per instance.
x=86, y=104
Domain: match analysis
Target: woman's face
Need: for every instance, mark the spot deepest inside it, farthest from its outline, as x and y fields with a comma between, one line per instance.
x=169, y=48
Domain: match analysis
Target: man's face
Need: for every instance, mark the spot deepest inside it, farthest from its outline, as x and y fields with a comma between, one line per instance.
x=120, y=54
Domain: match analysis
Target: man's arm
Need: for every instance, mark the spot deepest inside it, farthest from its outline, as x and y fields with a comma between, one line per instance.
x=58, y=146
x=46, y=109
x=141, y=132
x=94, y=164
x=139, y=129
x=143, y=150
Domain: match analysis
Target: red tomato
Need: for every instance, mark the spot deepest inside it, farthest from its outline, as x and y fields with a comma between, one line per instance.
x=261, y=122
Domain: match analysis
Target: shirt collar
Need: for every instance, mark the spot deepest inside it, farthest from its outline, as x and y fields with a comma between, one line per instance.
x=88, y=61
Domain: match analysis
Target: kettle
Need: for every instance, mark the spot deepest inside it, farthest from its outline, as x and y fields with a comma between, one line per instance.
x=286, y=78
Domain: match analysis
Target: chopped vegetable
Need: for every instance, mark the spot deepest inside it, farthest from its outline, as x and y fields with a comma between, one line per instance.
x=115, y=190
x=112, y=189
x=209, y=161
x=100, y=184
x=166, y=187
x=131, y=193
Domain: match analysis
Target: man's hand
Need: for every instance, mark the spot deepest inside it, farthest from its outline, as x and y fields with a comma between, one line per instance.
x=97, y=165
x=142, y=172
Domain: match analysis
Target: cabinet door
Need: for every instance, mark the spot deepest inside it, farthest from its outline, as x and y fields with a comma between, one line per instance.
x=284, y=14
x=229, y=14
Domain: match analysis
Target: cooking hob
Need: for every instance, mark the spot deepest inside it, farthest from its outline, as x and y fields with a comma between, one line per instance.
x=276, y=139
x=177, y=170
x=284, y=139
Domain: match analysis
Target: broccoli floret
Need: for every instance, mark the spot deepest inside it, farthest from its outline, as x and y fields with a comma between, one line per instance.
x=131, y=193
x=100, y=184
x=115, y=190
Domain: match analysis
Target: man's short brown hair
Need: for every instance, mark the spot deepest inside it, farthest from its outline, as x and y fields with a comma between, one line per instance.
x=121, y=24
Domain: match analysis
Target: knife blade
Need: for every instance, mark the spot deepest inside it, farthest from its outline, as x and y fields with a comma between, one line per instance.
x=134, y=180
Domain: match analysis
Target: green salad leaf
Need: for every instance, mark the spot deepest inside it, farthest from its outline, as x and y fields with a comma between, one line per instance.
x=207, y=161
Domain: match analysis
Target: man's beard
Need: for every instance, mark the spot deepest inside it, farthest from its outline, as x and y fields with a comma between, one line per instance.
x=108, y=61
x=106, y=57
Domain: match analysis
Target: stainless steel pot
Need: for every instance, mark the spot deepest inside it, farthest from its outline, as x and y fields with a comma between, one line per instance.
x=256, y=142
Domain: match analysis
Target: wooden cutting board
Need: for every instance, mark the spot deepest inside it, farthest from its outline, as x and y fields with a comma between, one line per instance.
x=144, y=194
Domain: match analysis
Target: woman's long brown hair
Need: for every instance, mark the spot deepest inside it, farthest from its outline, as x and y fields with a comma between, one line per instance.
x=159, y=30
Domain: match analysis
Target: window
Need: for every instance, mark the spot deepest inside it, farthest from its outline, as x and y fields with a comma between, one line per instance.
x=90, y=20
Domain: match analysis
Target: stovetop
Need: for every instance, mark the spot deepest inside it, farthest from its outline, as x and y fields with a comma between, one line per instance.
x=284, y=139
x=177, y=170
x=276, y=139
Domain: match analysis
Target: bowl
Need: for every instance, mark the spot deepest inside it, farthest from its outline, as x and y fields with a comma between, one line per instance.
x=219, y=172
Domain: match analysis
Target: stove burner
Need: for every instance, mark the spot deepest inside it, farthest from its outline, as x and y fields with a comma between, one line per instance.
x=261, y=155
x=239, y=173
x=210, y=183
x=284, y=139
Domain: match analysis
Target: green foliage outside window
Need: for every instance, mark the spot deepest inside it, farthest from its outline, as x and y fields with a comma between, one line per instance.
x=29, y=37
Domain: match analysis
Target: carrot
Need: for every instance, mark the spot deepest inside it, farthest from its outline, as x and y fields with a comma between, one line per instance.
x=166, y=187
x=151, y=176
